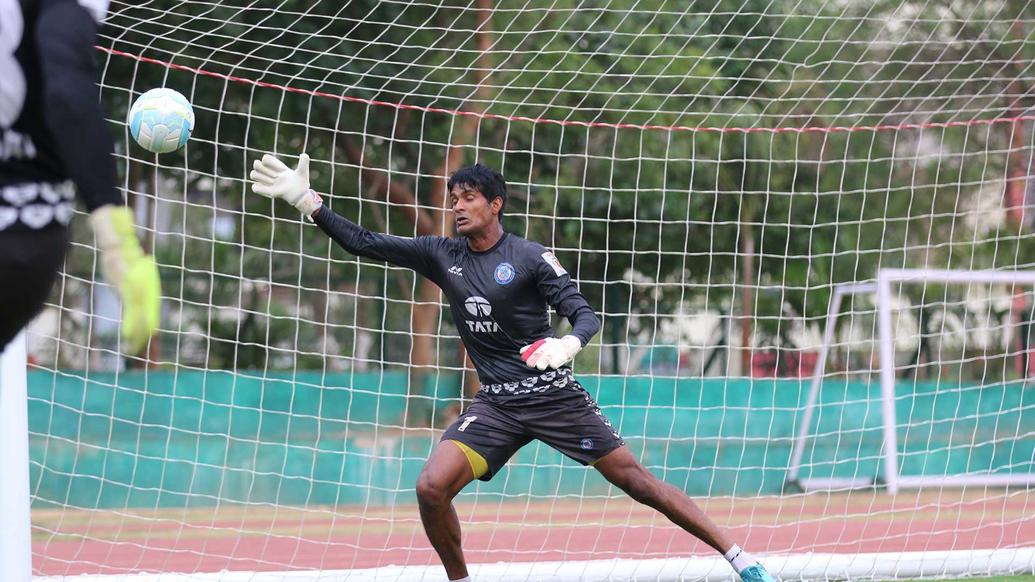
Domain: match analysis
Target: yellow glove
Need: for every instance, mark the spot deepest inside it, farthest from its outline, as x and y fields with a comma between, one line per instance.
x=132, y=273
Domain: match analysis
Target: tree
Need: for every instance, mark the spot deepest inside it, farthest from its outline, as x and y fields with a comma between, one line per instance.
x=389, y=98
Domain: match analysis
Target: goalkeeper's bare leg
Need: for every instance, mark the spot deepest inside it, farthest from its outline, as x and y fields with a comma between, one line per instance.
x=444, y=475
x=622, y=469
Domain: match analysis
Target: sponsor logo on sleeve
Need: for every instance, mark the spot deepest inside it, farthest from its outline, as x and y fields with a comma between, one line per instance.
x=553, y=262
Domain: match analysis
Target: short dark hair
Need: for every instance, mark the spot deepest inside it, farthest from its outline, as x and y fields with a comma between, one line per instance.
x=483, y=179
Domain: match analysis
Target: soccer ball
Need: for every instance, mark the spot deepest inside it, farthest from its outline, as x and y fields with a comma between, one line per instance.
x=161, y=120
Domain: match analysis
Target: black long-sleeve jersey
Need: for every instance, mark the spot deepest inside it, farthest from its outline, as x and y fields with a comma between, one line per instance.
x=498, y=297
x=53, y=136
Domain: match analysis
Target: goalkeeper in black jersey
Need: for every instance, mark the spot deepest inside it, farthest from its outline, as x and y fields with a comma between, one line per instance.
x=499, y=287
x=54, y=142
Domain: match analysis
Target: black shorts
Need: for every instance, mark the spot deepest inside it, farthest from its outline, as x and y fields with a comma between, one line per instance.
x=29, y=264
x=566, y=418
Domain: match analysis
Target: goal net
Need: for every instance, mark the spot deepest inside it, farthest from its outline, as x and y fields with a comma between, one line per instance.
x=711, y=174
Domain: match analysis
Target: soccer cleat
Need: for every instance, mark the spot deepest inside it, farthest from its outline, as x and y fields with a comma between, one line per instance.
x=756, y=573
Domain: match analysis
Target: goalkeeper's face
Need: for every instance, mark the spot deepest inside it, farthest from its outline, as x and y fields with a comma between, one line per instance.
x=472, y=212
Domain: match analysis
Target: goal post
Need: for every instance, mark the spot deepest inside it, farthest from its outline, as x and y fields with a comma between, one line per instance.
x=892, y=480
x=815, y=385
x=15, y=545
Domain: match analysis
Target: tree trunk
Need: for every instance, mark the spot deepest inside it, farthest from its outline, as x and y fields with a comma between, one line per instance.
x=425, y=318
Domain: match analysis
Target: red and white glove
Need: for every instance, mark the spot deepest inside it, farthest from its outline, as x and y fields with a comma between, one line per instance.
x=551, y=352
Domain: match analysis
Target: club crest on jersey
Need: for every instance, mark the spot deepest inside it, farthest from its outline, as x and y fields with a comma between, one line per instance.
x=504, y=273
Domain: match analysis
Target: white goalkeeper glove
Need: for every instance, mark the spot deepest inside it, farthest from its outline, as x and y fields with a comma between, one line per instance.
x=272, y=178
x=132, y=274
x=551, y=352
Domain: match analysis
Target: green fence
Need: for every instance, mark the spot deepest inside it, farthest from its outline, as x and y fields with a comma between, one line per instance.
x=191, y=438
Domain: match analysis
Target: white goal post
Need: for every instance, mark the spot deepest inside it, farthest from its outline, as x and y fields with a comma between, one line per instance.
x=15, y=547
x=892, y=479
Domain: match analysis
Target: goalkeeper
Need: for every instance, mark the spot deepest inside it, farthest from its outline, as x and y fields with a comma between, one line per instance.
x=499, y=287
x=54, y=142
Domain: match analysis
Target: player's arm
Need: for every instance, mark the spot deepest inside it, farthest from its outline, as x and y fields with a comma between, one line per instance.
x=65, y=37
x=65, y=33
x=272, y=178
x=556, y=286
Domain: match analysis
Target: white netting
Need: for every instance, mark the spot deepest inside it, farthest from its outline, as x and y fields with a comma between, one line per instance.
x=709, y=173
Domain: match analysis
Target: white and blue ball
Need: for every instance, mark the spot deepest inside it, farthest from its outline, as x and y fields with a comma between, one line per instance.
x=161, y=120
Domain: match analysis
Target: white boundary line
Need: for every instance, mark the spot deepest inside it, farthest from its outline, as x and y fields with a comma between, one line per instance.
x=874, y=566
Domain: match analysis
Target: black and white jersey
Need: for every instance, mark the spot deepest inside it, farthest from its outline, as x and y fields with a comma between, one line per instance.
x=53, y=136
x=499, y=298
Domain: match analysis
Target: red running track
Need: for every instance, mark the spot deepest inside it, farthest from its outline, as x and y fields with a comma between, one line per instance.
x=326, y=538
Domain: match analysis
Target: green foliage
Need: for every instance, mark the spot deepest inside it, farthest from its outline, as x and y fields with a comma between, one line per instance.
x=675, y=206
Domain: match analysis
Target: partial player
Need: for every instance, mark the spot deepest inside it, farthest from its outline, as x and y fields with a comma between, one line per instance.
x=500, y=287
x=54, y=142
